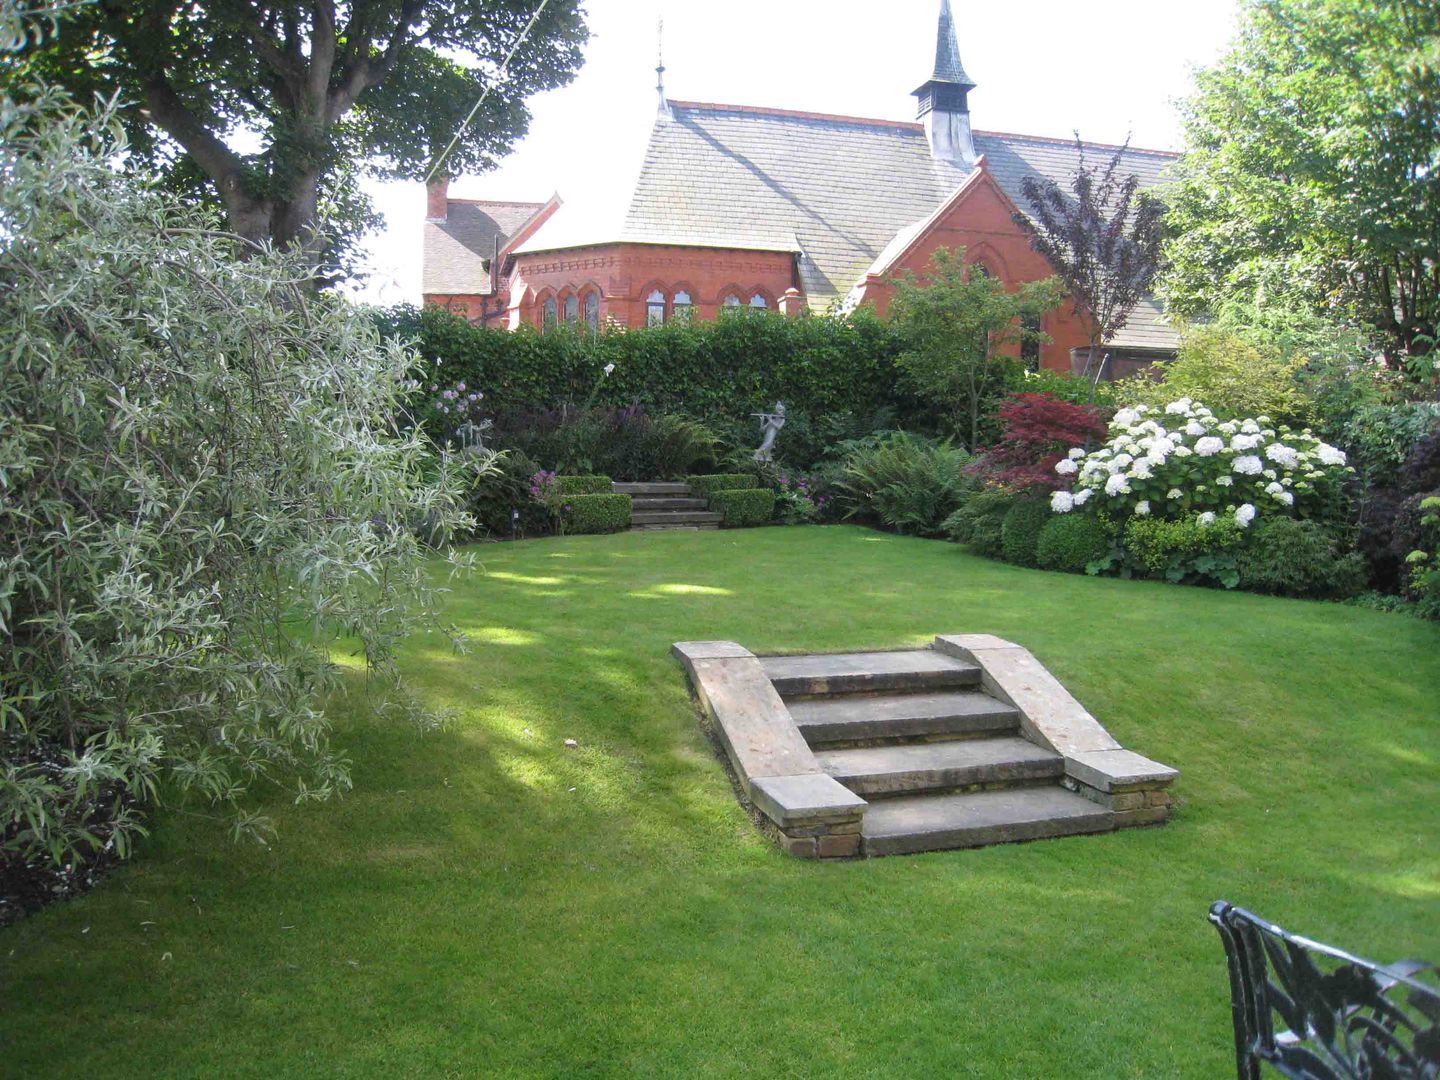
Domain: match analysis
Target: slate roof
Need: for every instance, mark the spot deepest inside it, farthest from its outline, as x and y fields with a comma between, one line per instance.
x=455, y=249
x=948, y=68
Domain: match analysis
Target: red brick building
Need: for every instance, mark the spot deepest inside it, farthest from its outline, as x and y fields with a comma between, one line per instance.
x=738, y=205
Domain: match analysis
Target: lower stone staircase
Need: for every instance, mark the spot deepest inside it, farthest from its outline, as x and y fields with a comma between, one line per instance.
x=941, y=762
x=967, y=743
x=661, y=504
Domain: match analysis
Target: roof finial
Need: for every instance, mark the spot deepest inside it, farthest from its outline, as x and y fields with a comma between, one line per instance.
x=947, y=52
x=660, y=67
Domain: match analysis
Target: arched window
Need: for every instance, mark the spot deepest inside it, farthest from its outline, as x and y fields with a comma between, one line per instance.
x=759, y=301
x=979, y=269
x=731, y=300
x=592, y=311
x=572, y=308
x=655, y=308
x=681, y=307
x=1030, y=342
x=547, y=323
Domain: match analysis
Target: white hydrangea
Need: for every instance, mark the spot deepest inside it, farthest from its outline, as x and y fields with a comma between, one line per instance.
x=1244, y=515
x=1082, y=497
x=1285, y=456
x=1118, y=484
x=1250, y=427
x=1207, y=518
x=1127, y=417
x=1286, y=498
x=1225, y=481
x=1066, y=467
x=1195, y=427
x=1329, y=455
x=1076, y=453
x=1247, y=465
x=1209, y=446
x=1142, y=470
x=1183, y=451
x=1244, y=442
x=1174, y=493
x=1274, y=488
x=1062, y=502
x=1179, y=407
x=1143, y=507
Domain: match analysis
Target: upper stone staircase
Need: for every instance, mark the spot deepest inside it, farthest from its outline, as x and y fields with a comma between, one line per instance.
x=967, y=743
x=660, y=504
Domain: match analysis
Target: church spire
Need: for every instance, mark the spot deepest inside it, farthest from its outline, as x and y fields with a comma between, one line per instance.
x=944, y=98
x=660, y=68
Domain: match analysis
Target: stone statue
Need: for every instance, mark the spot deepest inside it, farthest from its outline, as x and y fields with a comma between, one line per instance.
x=770, y=424
x=472, y=437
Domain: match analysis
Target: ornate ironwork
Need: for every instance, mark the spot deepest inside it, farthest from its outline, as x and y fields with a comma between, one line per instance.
x=1344, y=1018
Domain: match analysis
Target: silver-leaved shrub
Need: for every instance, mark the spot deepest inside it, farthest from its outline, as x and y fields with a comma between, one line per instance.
x=202, y=486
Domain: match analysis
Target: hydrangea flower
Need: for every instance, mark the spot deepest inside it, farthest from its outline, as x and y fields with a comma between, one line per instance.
x=1066, y=466
x=1076, y=453
x=1244, y=442
x=1283, y=455
x=1143, y=507
x=1062, y=502
x=1194, y=427
x=1179, y=407
x=1247, y=465
x=1244, y=515
x=1207, y=518
x=1225, y=481
x=1118, y=484
x=1209, y=446
x=1174, y=493
x=1329, y=455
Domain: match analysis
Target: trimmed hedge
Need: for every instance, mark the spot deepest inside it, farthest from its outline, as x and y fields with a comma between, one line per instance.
x=596, y=513
x=582, y=485
x=1071, y=542
x=979, y=522
x=741, y=507
x=705, y=486
x=1020, y=530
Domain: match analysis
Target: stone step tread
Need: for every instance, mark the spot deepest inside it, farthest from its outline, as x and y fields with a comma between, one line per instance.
x=666, y=502
x=883, y=770
x=651, y=487
x=676, y=517
x=895, y=716
x=826, y=673
x=673, y=528
x=904, y=825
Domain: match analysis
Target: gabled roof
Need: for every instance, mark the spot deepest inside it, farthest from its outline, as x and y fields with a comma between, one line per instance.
x=843, y=186
x=455, y=249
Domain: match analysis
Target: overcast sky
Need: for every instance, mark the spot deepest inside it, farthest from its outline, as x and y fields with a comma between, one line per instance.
x=1044, y=67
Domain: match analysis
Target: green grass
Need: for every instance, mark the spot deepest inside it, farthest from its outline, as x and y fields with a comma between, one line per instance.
x=488, y=902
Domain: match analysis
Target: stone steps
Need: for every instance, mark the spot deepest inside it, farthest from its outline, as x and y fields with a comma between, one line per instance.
x=929, y=767
x=859, y=718
x=640, y=503
x=657, y=505
x=903, y=826
x=849, y=673
x=677, y=488
x=673, y=517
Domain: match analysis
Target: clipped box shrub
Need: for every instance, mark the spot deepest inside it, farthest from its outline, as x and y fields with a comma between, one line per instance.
x=596, y=513
x=1071, y=542
x=582, y=485
x=1020, y=530
x=740, y=507
x=705, y=486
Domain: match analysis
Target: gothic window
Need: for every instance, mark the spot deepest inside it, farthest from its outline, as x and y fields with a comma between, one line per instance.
x=1030, y=342
x=759, y=301
x=572, y=308
x=655, y=308
x=592, y=311
x=547, y=323
x=680, y=307
x=979, y=269
x=731, y=300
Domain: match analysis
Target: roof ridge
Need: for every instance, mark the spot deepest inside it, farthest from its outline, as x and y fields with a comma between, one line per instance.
x=497, y=202
x=908, y=125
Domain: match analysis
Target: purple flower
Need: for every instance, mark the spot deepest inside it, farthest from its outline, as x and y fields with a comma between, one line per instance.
x=460, y=387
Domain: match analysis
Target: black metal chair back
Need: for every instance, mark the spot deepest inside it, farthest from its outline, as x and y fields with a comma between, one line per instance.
x=1343, y=1018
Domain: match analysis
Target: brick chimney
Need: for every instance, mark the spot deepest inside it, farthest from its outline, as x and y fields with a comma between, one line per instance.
x=437, y=199
x=791, y=303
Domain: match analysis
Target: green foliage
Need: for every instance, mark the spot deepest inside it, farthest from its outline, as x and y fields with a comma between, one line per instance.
x=837, y=376
x=705, y=486
x=1072, y=388
x=626, y=444
x=1185, y=550
x=742, y=507
x=1233, y=373
x=1381, y=436
x=378, y=89
x=1020, y=530
x=1298, y=558
x=1073, y=542
x=954, y=326
x=496, y=495
x=980, y=522
x=203, y=490
x=595, y=513
x=582, y=485
x=1424, y=561
x=905, y=482
x=1310, y=171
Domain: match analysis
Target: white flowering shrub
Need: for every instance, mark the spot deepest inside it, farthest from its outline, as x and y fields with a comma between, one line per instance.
x=1181, y=462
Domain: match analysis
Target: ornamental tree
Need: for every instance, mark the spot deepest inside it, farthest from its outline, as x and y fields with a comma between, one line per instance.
x=1312, y=173
x=956, y=326
x=1039, y=430
x=1103, y=237
x=271, y=110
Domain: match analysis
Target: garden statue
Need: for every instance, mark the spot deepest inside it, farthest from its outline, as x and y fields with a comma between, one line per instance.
x=770, y=424
x=472, y=436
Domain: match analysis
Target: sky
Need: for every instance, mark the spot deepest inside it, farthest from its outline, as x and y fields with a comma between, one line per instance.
x=1109, y=68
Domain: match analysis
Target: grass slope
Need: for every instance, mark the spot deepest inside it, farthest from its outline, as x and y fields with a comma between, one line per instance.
x=488, y=902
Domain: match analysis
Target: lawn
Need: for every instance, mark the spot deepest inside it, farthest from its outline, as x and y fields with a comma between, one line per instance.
x=489, y=902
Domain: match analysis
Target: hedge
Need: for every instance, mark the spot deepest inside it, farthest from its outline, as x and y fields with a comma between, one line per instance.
x=583, y=485
x=1071, y=542
x=740, y=507
x=596, y=513
x=1020, y=530
x=705, y=486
